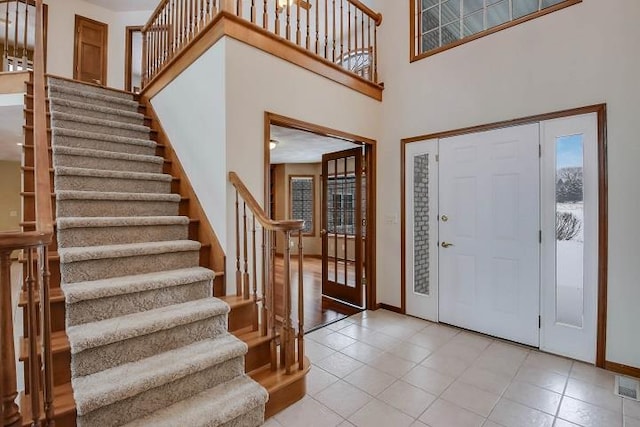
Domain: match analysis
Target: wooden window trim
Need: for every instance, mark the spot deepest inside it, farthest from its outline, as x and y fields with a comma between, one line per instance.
x=311, y=233
x=415, y=33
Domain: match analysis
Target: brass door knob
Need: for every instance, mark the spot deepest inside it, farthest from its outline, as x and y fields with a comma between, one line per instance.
x=444, y=218
x=446, y=245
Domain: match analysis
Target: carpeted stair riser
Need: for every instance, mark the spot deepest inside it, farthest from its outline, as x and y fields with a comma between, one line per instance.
x=157, y=398
x=89, y=88
x=97, y=112
x=94, y=183
x=102, y=142
x=99, y=208
x=79, y=124
x=98, y=269
x=100, y=160
x=97, y=359
x=237, y=403
x=107, y=102
x=109, y=307
x=97, y=236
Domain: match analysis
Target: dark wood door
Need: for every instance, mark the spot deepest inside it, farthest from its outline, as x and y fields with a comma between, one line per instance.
x=342, y=226
x=90, y=58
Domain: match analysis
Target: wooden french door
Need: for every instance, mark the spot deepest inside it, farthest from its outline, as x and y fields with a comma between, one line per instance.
x=90, y=58
x=342, y=225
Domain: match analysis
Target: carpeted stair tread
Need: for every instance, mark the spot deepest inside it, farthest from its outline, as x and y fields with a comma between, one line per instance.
x=55, y=88
x=99, y=173
x=86, y=120
x=121, y=382
x=109, y=331
x=87, y=152
x=73, y=133
x=211, y=408
x=83, y=291
x=78, y=254
x=95, y=108
x=134, y=221
x=97, y=195
x=89, y=87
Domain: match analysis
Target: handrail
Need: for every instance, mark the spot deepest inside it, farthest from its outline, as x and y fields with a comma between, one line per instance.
x=291, y=341
x=325, y=28
x=261, y=216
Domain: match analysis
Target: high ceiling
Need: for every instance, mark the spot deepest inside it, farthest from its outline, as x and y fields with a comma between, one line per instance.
x=297, y=146
x=126, y=5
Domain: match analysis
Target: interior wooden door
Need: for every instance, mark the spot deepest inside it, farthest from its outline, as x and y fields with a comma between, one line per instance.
x=90, y=58
x=342, y=226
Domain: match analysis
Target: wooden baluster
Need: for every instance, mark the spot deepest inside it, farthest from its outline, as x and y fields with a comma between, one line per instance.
x=145, y=60
x=272, y=299
x=174, y=27
x=45, y=277
x=355, y=34
x=369, y=51
x=238, y=271
x=298, y=34
x=286, y=321
x=349, y=52
x=185, y=22
x=254, y=271
x=192, y=20
x=245, y=237
x=333, y=36
x=300, y=303
x=5, y=53
x=265, y=285
x=163, y=37
x=308, y=40
x=317, y=26
x=202, y=15
x=288, y=20
x=15, y=38
x=375, y=53
x=25, y=56
x=326, y=29
x=277, y=18
x=10, y=414
x=341, y=32
x=32, y=325
x=214, y=10
x=253, y=11
x=362, y=41
x=265, y=15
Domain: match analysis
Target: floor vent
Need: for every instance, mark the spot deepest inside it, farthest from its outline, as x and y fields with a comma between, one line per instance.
x=627, y=387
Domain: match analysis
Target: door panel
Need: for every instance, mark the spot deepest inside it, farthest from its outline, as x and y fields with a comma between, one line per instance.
x=570, y=236
x=90, y=59
x=421, y=229
x=489, y=251
x=342, y=220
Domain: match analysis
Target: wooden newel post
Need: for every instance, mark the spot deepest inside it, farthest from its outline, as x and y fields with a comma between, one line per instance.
x=8, y=387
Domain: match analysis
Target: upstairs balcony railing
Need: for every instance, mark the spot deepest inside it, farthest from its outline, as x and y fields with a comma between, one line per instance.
x=17, y=19
x=343, y=32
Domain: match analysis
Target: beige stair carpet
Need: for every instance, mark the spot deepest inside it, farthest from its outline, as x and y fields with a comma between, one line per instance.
x=149, y=342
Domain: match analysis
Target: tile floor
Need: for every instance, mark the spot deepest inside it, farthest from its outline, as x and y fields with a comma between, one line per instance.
x=383, y=369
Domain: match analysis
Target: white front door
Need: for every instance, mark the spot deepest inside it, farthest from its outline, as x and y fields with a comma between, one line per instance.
x=570, y=236
x=489, y=232
x=421, y=229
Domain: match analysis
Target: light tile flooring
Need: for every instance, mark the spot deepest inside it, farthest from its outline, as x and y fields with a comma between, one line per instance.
x=383, y=369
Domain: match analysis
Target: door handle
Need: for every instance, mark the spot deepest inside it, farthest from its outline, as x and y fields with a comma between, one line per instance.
x=323, y=232
x=444, y=218
x=446, y=245
x=98, y=82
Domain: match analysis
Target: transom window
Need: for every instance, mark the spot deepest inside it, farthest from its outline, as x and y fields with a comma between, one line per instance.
x=441, y=24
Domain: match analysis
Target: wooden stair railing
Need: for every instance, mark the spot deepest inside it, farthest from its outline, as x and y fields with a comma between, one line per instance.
x=325, y=29
x=291, y=340
x=36, y=284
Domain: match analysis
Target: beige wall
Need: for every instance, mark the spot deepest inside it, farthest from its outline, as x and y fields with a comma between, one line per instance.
x=10, y=202
x=581, y=55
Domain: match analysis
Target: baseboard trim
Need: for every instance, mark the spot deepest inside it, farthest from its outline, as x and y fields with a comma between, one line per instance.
x=622, y=369
x=390, y=308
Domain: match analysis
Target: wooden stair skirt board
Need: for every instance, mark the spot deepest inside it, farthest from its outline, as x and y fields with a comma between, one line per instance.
x=242, y=319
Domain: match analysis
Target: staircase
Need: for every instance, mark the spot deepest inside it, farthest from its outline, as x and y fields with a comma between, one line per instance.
x=138, y=339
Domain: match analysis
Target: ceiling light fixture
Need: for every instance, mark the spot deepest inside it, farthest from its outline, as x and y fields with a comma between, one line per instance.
x=273, y=143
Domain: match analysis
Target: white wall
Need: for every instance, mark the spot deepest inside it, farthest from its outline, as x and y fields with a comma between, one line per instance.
x=61, y=25
x=193, y=116
x=582, y=55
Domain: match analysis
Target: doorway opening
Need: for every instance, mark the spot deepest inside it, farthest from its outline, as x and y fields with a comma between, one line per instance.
x=133, y=59
x=325, y=177
x=504, y=230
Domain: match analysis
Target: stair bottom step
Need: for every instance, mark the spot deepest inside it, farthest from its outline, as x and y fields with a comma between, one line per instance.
x=239, y=402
